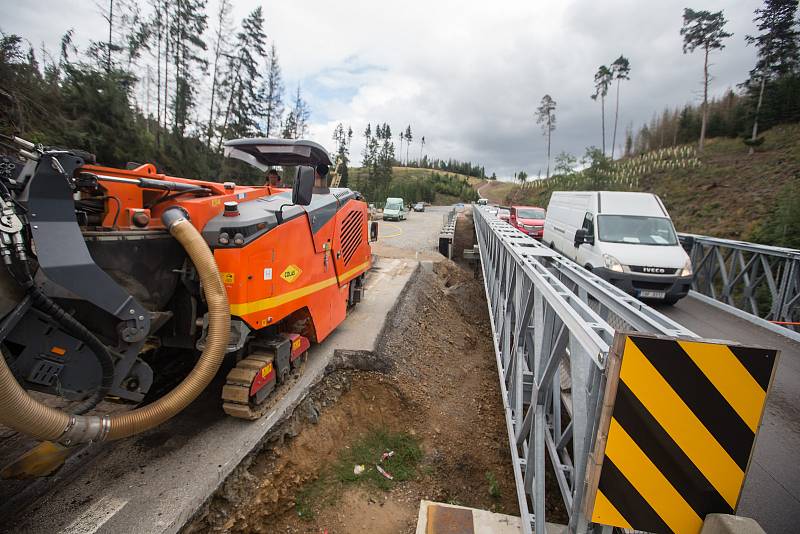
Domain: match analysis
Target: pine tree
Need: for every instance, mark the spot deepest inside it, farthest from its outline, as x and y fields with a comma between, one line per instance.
x=402, y=136
x=221, y=50
x=188, y=24
x=702, y=29
x=409, y=138
x=546, y=117
x=620, y=69
x=272, y=92
x=602, y=79
x=289, y=126
x=342, y=153
x=778, y=47
x=244, y=108
x=301, y=113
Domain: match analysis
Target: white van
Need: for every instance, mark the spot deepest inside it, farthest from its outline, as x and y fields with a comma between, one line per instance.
x=394, y=209
x=625, y=238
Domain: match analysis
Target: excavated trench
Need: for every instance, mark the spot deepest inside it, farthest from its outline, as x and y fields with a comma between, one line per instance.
x=431, y=379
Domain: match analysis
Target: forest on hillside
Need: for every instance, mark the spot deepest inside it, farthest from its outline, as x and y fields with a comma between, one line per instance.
x=167, y=83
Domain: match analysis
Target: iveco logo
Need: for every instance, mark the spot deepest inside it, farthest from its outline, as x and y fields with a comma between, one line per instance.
x=655, y=270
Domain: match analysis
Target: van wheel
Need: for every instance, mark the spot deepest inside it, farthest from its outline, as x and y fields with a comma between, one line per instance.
x=587, y=267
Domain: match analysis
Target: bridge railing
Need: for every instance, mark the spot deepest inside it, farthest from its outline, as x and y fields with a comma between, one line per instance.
x=758, y=279
x=553, y=324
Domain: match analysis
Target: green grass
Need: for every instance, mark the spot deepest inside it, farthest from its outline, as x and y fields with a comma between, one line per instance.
x=494, y=487
x=367, y=451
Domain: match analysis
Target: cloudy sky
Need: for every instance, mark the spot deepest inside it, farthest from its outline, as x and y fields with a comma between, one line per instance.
x=466, y=75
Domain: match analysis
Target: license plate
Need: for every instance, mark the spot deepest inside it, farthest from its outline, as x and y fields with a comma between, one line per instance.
x=652, y=294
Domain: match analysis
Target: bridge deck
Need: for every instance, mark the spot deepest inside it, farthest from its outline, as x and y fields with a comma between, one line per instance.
x=771, y=492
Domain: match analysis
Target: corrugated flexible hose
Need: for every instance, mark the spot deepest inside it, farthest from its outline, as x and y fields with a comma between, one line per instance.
x=21, y=412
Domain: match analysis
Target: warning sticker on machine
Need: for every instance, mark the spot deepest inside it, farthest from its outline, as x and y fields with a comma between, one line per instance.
x=267, y=273
x=227, y=278
x=291, y=273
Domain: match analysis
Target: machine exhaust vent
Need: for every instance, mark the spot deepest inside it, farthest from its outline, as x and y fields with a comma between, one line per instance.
x=352, y=234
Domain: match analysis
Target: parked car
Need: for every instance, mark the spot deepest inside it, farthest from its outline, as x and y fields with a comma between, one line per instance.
x=394, y=209
x=503, y=214
x=419, y=206
x=483, y=201
x=528, y=220
x=625, y=238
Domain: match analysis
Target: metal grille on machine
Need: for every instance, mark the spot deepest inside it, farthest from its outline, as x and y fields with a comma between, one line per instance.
x=351, y=234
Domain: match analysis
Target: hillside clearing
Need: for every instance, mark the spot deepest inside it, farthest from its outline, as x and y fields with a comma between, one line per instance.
x=730, y=195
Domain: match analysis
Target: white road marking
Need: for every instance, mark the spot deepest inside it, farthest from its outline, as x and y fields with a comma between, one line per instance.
x=95, y=516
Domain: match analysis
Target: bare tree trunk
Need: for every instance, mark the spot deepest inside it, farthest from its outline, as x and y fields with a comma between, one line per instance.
x=110, y=26
x=166, y=68
x=234, y=88
x=705, y=103
x=217, y=47
x=603, y=120
x=548, y=144
x=158, y=67
x=758, y=109
x=616, y=116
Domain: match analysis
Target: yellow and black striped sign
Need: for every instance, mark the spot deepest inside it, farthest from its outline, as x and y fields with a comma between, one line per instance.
x=677, y=431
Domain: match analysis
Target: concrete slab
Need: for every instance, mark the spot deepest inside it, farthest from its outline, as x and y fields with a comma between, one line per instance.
x=155, y=482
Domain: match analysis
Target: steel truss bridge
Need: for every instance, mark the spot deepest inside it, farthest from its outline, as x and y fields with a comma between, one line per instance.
x=554, y=323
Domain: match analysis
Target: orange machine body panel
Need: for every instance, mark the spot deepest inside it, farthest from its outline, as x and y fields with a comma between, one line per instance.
x=287, y=269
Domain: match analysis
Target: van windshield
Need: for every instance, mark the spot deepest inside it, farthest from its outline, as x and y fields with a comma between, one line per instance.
x=530, y=213
x=636, y=230
x=393, y=205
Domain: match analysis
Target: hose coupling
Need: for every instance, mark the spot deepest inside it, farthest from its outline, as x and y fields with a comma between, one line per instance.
x=83, y=429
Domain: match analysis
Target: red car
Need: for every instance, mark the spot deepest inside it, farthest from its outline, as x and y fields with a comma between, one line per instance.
x=528, y=219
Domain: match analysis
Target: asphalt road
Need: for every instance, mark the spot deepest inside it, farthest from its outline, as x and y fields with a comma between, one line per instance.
x=771, y=493
x=416, y=237
x=154, y=482
x=418, y=232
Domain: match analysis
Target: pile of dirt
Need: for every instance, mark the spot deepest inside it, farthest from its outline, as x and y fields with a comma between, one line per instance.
x=438, y=384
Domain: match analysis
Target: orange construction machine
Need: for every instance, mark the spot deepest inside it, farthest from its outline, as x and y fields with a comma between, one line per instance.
x=113, y=274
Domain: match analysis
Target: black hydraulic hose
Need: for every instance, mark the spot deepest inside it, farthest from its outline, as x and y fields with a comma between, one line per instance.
x=70, y=325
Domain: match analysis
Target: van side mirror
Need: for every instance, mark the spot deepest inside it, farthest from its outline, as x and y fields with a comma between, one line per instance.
x=303, y=189
x=582, y=237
